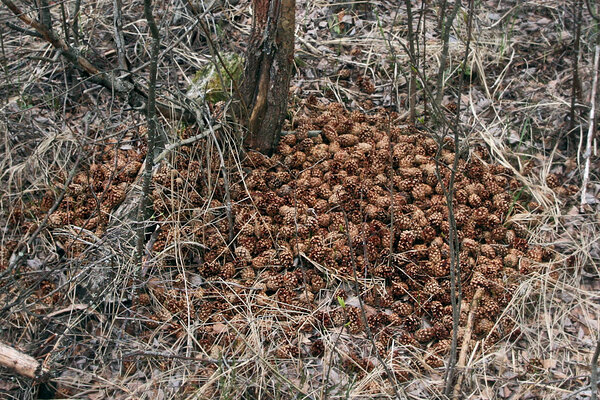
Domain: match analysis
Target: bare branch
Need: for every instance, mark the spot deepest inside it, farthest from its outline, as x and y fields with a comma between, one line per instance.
x=466, y=339
x=455, y=270
x=23, y=30
x=575, y=84
x=119, y=39
x=74, y=25
x=446, y=27
x=144, y=210
x=592, y=13
x=412, y=86
x=44, y=12
x=130, y=91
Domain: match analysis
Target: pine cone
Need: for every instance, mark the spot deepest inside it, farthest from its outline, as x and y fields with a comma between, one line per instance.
x=424, y=335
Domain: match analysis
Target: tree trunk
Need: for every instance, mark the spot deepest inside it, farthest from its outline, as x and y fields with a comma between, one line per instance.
x=268, y=71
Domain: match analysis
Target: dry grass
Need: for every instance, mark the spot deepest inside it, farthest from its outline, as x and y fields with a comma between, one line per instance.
x=86, y=327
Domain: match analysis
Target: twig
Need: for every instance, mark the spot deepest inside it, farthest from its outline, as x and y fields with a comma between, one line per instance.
x=23, y=30
x=591, y=129
x=575, y=84
x=455, y=271
x=363, y=314
x=442, y=14
x=412, y=86
x=582, y=389
x=184, y=142
x=592, y=13
x=143, y=211
x=446, y=27
x=65, y=27
x=465, y=343
x=594, y=367
x=424, y=9
x=438, y=112
x=75, y=24
x=119, y=39
x=44, y=12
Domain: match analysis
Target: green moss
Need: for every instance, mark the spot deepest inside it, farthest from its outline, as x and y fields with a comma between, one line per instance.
x=206, y=83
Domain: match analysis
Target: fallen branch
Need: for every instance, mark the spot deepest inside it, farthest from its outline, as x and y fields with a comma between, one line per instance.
x=22, y=363
x=184, y=142
x=465, y=342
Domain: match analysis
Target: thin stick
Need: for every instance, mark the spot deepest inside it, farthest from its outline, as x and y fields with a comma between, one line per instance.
x=412, y=89
x=591, y=129
x=575, y=84
x=591, y=11
x=119, y=38
x=143, y=211
x=363, y=314
x=465, y=343
x=74, y=26
x=184, y=142
x=446, y=27
x=594, y=371
x=424, y=9
x=455, y=270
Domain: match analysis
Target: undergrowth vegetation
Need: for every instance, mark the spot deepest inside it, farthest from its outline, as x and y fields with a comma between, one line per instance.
x=325, y=270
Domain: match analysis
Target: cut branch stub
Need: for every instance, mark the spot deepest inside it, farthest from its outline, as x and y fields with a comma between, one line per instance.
x=268, y=71
x=22, y=363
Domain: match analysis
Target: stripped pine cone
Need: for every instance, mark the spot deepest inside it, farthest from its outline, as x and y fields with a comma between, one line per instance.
x=424, y=335
x=406, y=339
x=403, y=309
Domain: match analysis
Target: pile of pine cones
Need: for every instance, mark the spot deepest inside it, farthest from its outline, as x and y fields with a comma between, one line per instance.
x=347, y=195
x=98, y=187
x=351, y=195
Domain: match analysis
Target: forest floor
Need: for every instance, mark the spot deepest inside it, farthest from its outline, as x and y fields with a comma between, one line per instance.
x=323, y=271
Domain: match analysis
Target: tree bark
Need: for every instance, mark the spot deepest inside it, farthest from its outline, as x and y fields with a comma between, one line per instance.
x=268, y=71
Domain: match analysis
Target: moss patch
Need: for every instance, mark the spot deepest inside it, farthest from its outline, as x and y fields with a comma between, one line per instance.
x=207, y=84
